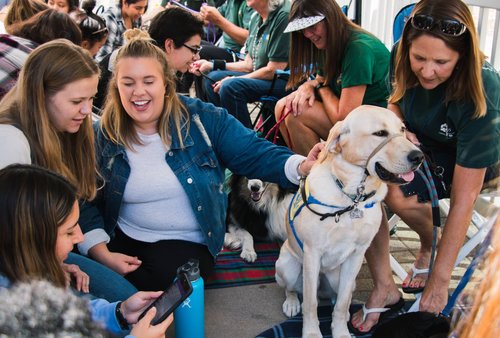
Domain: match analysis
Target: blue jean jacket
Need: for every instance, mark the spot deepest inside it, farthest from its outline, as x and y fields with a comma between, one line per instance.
x=213, y=142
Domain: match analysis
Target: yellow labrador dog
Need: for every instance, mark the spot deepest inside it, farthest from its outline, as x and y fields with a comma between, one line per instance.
x=337, y=212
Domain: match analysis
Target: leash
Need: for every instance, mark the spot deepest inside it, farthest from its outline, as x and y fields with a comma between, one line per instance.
x=436, y=215
x=480, y=253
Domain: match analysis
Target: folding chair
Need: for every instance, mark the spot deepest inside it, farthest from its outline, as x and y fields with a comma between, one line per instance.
x=263, y=110
x=400, y=20
x=477, y=232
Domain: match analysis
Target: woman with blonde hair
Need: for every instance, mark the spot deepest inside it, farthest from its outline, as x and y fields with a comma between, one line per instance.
x=449, y=98
x=338, y=65
x=163, y=159
x=46, y=120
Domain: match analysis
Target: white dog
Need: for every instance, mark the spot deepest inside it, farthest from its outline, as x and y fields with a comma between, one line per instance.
x=337, y=212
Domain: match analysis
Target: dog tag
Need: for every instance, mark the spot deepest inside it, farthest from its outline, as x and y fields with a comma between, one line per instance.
x=356, y=213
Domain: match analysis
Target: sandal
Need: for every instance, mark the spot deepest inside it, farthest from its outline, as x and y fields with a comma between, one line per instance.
x=384, y=312
x=415, y=272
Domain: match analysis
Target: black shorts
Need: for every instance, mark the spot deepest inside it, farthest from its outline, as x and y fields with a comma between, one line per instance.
x=441, y=166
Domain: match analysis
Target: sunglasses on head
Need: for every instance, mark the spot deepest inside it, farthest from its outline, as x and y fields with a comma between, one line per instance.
x=449, y=27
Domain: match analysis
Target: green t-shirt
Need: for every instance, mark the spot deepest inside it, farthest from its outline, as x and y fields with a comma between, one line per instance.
x=366, y=62
x=266, y=40
x=450, y=130
x=238, y=13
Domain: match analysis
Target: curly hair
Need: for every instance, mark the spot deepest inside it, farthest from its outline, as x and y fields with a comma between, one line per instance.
x=40, y=309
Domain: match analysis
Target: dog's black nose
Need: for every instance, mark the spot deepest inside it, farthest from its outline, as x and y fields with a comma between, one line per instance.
x=416, y=157
x=254, y=188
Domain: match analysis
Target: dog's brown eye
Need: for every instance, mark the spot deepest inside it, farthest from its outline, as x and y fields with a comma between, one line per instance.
x=381, y=133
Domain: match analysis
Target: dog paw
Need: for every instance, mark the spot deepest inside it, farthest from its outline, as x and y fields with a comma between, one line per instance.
x=231, y=241
x=340, y=331
x=291, y=307
x=314, y=334
x=249, y=255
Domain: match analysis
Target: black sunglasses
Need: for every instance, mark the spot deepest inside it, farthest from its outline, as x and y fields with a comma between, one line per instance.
x=449, y=27
x=194, y=50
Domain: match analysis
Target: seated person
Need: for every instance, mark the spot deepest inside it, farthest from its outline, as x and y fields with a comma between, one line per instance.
x=449, y=98
x=27, y=35
x=233, y=85
x=350, y=64
x=64, y=6
x=38, y=228
x=93, y=27
x=126, y=14
x=162, y=158
x=233, y=18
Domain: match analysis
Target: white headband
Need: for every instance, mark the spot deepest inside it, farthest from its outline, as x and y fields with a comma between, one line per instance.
x=301, y=23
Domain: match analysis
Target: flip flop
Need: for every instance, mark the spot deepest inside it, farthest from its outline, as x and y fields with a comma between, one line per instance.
x=415, y=272
x=384, y=312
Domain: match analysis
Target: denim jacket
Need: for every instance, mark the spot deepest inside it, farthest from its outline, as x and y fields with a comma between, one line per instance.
x=215, y=141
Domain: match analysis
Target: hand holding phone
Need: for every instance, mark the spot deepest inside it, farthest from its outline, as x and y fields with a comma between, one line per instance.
x=166, y=303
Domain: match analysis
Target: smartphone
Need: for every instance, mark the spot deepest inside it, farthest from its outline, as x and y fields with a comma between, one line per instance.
x=168, y=301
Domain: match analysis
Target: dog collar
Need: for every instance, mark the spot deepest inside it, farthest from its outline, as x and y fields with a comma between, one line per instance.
x=308, y=199
x=360, y=196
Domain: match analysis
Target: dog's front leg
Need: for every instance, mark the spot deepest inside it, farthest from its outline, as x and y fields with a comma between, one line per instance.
x=311, y=270
x=347, y=282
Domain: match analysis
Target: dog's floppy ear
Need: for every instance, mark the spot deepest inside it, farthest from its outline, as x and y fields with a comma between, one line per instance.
x=332, y=143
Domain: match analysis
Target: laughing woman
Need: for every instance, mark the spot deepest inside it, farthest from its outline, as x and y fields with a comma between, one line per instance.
x=163, y=159
x=350, y=64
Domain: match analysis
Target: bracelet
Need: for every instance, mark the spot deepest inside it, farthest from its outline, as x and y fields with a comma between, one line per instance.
x=219, y=64
x=298, y=170
x=122, y=321
x=319, y=86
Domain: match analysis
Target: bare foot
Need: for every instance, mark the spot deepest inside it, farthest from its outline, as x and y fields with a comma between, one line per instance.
x=420, y=271
x=379, y=298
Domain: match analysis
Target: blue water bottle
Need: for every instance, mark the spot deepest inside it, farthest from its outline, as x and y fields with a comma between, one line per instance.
x=189, y=317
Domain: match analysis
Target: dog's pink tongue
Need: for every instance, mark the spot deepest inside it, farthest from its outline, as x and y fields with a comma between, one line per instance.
x=408, y=177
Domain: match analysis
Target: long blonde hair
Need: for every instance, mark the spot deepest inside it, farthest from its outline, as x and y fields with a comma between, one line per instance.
x=48, y=69
x=466, y=81
x=116, y=124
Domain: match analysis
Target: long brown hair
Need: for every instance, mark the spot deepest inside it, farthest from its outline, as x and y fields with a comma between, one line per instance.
x=21, y=10
x=34, y=203
x=48, y=69
x=46, y=26
x=305, y=58
x=116, y=123
x=465, y=82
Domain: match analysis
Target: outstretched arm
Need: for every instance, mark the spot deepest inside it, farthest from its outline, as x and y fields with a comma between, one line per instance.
x=467, y=183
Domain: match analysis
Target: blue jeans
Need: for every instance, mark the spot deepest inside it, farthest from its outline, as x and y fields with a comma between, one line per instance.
x=237, y=92
x=104, y=282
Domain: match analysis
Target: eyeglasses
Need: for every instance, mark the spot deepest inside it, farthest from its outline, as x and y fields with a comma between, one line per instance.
x=194, y=50
x=449, y=27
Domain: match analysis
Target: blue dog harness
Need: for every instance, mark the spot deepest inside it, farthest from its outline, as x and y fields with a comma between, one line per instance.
x=303, y=198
